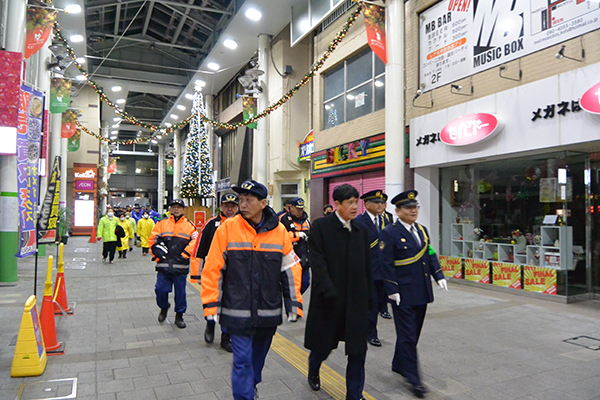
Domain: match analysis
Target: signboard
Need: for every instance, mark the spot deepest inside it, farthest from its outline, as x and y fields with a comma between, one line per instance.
x=506, y=275
x=47, y=223
x=459, y=38
x=477, y=270
x=223, y=184
x=471, y=128
x=199, y=219
x=84, y=185
x=88, y=173
x=10, y=80
x=307, y=147
x=590, y=101
x=451, y=266
x=538, y=279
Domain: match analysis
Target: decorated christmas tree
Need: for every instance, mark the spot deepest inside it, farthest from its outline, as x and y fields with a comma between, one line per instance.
x=197, y=179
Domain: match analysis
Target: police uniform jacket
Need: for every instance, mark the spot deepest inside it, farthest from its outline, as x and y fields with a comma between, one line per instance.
x=180, y=238
x=295, y=225
x=373, y=235
x=408, y=266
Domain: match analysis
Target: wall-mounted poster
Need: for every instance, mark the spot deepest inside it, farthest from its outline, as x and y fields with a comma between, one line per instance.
x=451, y=266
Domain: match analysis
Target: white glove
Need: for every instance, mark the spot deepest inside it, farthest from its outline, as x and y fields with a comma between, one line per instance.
x=302, y=235
x=395, y=298
x=292, y=317
x=443, y=284
x=214, y=317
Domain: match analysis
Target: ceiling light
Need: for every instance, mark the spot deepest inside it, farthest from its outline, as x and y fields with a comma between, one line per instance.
x=114, y=132
x=80, y=60
x=76, y=38
x=174, y=116
x=253, y=14
x=199, y=82
x=180, y=107
x=189, y=96
x=113, y=138
x=350, y=96
x=73, y=9
x=230, y=44
x=116, y=88
x=115, y=126
x=153, y=141
x=327, y=107
x=80, y=78
x=116, y=119
x=378, y=83
x=120, y=101
x=158, y=136
x=213, y=65
x=168, y=124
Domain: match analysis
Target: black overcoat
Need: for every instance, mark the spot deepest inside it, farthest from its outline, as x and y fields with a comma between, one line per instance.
x=342, y=287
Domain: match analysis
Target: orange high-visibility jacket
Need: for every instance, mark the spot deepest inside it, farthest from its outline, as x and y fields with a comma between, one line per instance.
x=180, y=238
x=248, y=270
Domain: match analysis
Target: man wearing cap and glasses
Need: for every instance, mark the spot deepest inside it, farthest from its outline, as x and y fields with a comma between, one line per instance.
x=172, y=243
x=251, y=275
x=409, y=262
x=229, y=208
x=373, y=222
x=297, y=223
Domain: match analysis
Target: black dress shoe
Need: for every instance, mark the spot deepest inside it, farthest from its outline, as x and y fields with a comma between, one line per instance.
x=179, y=322
x=386, y=315
x=226, y=342
x=209, y=333
x=163, y=313
x=374, y=342
x=418, y=391
x=314, y=382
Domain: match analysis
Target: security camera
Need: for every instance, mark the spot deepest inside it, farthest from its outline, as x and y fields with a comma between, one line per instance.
x=458, y=88
x=561, y=53
x=503, y=68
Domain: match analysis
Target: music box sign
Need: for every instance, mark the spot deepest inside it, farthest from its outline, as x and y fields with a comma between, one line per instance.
x=470, y=129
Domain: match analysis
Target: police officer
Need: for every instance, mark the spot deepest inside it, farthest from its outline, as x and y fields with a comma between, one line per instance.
x=373, y=222
x=297, y=223
x=409, y=262
x=229, y=208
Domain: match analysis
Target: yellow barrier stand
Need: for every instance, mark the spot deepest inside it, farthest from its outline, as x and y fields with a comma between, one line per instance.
x=30, y=355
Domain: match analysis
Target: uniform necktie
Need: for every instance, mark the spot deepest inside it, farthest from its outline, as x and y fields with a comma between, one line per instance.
x=379, y=223
x=416, y=234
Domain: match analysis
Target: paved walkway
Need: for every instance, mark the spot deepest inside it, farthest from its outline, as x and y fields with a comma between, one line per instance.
x=476, y=344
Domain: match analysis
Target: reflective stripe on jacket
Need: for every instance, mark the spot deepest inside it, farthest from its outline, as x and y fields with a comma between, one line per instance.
x=248, y=270
x=180, y=238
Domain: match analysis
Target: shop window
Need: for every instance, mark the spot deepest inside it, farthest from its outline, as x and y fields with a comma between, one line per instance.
x=121, y=168
x=146, y=167
x=353, y=89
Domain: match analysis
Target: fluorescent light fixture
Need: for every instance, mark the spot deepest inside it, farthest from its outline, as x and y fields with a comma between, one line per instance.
x=76, y=38
x=230, y=44
x=189, y=96
x=159, y=137
x=253, y=14
x=116, y=119
x=350, y=96
x=81, y=78
x=116, y=88
x=113, y=138
x=115, y=126
x=213, y=65
x=80, y=60
x=73, y=9
x=327, y=107
x=168, y=124
x=199, y=82
x=174, y=116
x=378, y=84
x=120, y=101
x=153, y=141
x=114, y=132
x=180, y=107
x=562, y=176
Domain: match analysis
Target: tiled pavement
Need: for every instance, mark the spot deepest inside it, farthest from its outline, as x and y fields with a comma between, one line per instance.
x=476, y=344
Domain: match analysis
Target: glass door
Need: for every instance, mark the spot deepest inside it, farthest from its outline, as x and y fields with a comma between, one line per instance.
x=592, y=179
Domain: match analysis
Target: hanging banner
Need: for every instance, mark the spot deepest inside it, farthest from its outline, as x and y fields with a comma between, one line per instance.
x=68, y=124
x=45, y=140
x=29, y=133
x=249, y=107
x=10, y=81
x=538, y=279
x=461, y=38
x=506, y=275
x=112, y=165
x=477, y=270
x=74, y=142
x=39, y=26
x=60, y=95
x=375, y=26
x=451, y=266
x=47, y=222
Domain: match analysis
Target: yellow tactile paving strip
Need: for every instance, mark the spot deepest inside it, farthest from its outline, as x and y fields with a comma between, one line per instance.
x=331, y=382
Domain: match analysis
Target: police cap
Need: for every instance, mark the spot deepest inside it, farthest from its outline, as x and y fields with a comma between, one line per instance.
x=252, y=187
x=407, y=198
x=297, y=202
x=230, y=198
x=177, y=202
x=375, y=195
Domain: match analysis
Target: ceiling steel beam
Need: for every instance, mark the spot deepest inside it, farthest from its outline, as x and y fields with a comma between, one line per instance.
x=203, y=24
x=148, y=15
x=117, y=19
x=165, y=2
x=151, y=42
x=181, y=23
x=144, y=64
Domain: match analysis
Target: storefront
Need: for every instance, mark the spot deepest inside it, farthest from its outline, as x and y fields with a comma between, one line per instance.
x=360, y=164
x=84, y=198
x=513, y=179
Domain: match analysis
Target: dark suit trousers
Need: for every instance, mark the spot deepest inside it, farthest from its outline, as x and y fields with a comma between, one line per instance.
x=355, y=372
x=379, y=307
x=408, y=321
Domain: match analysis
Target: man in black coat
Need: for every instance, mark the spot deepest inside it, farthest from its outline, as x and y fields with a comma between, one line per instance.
x=342, y=291
x=408, y=262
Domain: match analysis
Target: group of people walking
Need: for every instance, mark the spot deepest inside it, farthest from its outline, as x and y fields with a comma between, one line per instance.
x=254, y=266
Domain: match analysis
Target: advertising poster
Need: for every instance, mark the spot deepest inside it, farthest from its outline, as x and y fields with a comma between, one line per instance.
x=541, y=280
x=459, y=38
x=199, y=219
x=39, y=26
x=29, y=134
x=60, y=95
x=10, y=81
x=45, y=140
x=506, y=275
x=74, y=141
x=68, y=124
x=375, y=27
x=48, y=220
x=477, y=270
x=249, y=107
x=451, y=266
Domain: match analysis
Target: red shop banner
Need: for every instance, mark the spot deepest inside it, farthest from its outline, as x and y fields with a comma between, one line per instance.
x=10, y=85
x=375, y=26
x=39, y=26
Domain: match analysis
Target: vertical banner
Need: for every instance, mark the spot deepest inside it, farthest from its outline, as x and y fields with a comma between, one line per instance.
x=39, y=26
x=10, y=81
x=451, y=266
x=47, y=222
x=538, y=279
x=375, y=26
x=249, y=107
x=29, y=132
x=45, y=142
x=60, y=95
x=74, y=141
x=199, y=219
x=506, y=275
x=112, y=165
x=477, y=270
x=68, y=124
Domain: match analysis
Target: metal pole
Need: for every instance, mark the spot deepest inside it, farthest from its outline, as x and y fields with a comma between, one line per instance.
x=161, y=178
x=261, y=142
x=177, y=164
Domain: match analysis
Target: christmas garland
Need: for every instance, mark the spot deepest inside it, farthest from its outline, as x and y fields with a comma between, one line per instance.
x=159, y=130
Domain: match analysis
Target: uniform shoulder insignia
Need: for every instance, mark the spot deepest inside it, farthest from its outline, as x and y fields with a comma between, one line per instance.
x=381, y=245
x=403, y=240
x=217, y=223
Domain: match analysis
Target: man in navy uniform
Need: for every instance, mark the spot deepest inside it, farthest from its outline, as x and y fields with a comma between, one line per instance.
x=373, y=222
x=297, y=224
x=408, y=262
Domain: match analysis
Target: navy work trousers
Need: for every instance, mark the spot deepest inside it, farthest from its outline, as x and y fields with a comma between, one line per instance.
x=164, y=286
x=408, y=321
x=249, y=354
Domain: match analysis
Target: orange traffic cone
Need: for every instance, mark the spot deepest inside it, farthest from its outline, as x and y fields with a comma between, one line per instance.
x=60, y=288
x=93, y=235
x=53, y=348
